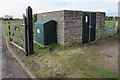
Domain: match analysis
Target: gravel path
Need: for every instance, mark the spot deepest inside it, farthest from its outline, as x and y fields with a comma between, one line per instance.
x=10, y=68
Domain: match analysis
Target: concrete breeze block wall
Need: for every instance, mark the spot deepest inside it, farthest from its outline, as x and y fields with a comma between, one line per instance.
x=69, y=25
x=100, y=24
x=72, y=27
x=59, y=17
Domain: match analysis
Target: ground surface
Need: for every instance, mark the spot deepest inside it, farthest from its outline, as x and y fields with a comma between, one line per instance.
x=108, y=47
x=10, y=68
x=94, y=60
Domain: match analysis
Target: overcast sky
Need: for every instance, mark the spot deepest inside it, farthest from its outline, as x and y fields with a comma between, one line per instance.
x=17, y=7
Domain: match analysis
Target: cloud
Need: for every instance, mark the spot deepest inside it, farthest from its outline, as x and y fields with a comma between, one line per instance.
x=79, y=0
x=109, y=7
x=17, y=7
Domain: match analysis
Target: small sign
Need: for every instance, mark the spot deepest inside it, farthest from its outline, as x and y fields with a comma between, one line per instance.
x=38, y=30
x=86, y=20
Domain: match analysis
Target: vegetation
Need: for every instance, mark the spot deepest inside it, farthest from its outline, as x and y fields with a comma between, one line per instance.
x=110, y=23
x=112, y=18
x=34, y=17
x=5, y=24
x=71, y=64
x=8, y=17
x=66, y=62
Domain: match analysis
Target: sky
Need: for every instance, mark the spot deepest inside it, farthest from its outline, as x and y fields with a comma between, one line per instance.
x=17, y=8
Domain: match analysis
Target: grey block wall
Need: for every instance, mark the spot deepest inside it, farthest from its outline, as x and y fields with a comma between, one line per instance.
x=72, y=27
x=100, y=24
x=69, y=25
x=59, y=17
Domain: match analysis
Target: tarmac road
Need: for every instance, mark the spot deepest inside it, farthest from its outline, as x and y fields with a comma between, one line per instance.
x=0, y=50
x=10, y=68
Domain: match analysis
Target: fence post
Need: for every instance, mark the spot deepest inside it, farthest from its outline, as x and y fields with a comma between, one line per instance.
x=29, y=30
x=118, y=24
x=9, y=31
x=25, y=36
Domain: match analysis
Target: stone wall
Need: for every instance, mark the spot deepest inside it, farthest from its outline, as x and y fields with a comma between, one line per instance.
x=100, y=24
x=72, y=27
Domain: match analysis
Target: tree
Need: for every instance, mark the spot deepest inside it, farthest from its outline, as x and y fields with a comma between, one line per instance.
x=1, y=18
x=8, y=17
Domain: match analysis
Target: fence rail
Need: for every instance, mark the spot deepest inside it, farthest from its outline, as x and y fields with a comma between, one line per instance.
x=16, y=39
x=14, y=31
x=17, y=32
x=17, y=25
x=26, y=36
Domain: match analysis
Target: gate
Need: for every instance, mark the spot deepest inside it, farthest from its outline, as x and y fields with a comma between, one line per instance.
x=89, y=27
x=26, y=35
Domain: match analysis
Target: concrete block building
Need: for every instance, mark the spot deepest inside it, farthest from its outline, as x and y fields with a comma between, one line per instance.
x=74, y=27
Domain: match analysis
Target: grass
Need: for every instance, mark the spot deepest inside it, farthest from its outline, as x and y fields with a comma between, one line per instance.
x=5, y=24
x=66, y=62
x=69, y=65
x=88, y=68
x=101, y=72
x=112, y=23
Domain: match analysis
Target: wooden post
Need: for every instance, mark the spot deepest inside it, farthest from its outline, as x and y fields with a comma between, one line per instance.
x=30, y=30
x=119, y=24
x=25, y=36
x=119, y=17
x=9, y=31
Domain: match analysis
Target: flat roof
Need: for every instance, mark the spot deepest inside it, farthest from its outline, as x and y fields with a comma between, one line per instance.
x=69, y=10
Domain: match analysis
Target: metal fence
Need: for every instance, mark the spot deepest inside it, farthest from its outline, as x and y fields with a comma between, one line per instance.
x=110, y=30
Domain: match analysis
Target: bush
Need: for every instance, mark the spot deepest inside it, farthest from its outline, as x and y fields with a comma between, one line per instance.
x=34, y=17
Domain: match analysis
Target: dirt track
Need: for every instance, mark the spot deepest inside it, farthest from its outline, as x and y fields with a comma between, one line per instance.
x=108, y=47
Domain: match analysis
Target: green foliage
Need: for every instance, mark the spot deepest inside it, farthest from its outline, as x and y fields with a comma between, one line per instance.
x=110, y=24
x=39, y=49
x=112, y=18
x=34, y=18
x=55, y=46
